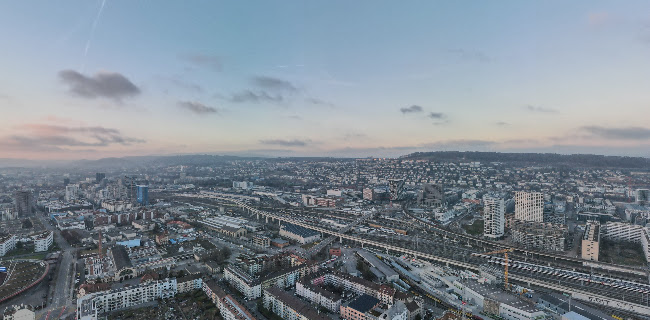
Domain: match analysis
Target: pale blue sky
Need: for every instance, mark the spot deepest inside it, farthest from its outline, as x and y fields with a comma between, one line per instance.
x=322, y=78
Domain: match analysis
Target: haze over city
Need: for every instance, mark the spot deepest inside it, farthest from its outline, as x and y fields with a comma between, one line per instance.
x=94, y=79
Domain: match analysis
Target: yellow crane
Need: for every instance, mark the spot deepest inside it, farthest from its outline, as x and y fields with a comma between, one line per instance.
x=505, y=258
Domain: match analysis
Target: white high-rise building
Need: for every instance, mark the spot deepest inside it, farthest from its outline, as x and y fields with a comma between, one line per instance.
x=71, y=192
x=494, y=210
x=529, y=206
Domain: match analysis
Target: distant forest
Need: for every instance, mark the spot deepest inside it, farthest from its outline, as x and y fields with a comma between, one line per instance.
x=542, y=159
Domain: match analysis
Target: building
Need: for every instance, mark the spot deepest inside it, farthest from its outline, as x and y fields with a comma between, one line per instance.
x=245, y=185
x=529, y=206
x=386, y=273
x=431, y=195
x=189, y=283
x=620, y=231
x=496, y=302
x=561, y=305
x=71, y=192
x=539, y=235
x=7, y=243
x=298, y=233
x=246, y=284
x=591, y=241
x=143, y=195
x=318, y=295
x=91, y=306
x=368, y=194
x=494, y=211
x=288, y=307
x=43, y=241
x=642, y=196
x=228, y=306
x=262, y=241
x=395, y=189
x=21, y=312
x=645, y=243
x=8, y=214
x=99, y=176
x=24, y=203
x=357, y=308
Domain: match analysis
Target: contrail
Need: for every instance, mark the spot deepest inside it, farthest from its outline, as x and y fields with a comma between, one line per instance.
x=92, y=34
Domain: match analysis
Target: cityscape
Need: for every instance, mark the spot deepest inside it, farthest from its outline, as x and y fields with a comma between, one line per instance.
x=324, y=160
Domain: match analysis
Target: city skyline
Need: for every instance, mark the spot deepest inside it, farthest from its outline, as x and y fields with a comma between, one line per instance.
x=95, y=79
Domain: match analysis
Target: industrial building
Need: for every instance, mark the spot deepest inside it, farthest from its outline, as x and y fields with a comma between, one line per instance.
x=298, y=233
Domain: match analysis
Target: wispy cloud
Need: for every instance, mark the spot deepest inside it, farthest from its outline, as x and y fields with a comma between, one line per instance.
x=211, y=62
x=197, y=107
x=411, y=109
x=256, y=97
x=287, y=143
x=108, y=85
x=540, y=109
x=436, y=115
x=48, y=137
x=319, y=102
x=502, y=123
x=624, y=133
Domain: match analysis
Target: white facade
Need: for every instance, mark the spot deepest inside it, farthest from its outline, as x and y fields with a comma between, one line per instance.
x=90, y=306
x=619, y=231
x=245, y=284
x=509, y=312
x=494, y=211
x=71, y=191
x=7, y=244
x=43, y=241
x=645, y=243
x=529, y=206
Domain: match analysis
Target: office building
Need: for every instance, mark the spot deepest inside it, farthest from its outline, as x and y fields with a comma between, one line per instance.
x=494, y=211
x=591, y=241
x=99, y=176
x=642, y=196
x=71, y=191
x=432, y=195
x=24, y=203
x=529, y=206
x=395, y=189
x=66, y=181
x=143, y=195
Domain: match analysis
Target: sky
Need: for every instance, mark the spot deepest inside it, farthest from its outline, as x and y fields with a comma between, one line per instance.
x=93, y=79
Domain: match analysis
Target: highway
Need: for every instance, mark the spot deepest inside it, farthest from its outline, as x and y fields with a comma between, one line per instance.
x=611, y=298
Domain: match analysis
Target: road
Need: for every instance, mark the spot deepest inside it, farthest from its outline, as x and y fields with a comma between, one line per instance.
x=60, y=298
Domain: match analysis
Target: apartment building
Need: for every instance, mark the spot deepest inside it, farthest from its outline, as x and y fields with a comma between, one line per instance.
x=7, y=243
x=529, y=206
x=494, y=211
x=319, y=296
x=246, y=284
x=91, y=306
x=620, y=231
x=229, y=308
x=591, y=241
x=356, y=309
x=43, y=241
x=539, y=235
x=189, y=283
x=288, y=307
x=261, y=240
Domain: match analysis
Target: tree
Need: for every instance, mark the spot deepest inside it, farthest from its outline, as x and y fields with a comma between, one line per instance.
x=27, y=224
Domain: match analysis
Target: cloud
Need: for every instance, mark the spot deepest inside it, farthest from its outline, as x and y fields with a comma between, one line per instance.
x=287, y=143
x=205, y=61
x=319, y=102
x=197, y=107
x=256, y=97
x=540, y=109
x=295, y=117
x=108, y=85
x=354, y=136
x=436, y=115
x=271, y=83
x=502, y=123
x=625, y=133
x=45, y=137
x=411, y=109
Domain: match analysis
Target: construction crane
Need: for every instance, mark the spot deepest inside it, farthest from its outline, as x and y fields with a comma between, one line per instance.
x=505, y=257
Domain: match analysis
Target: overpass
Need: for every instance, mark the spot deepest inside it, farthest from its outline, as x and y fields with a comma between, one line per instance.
x=575, y=292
